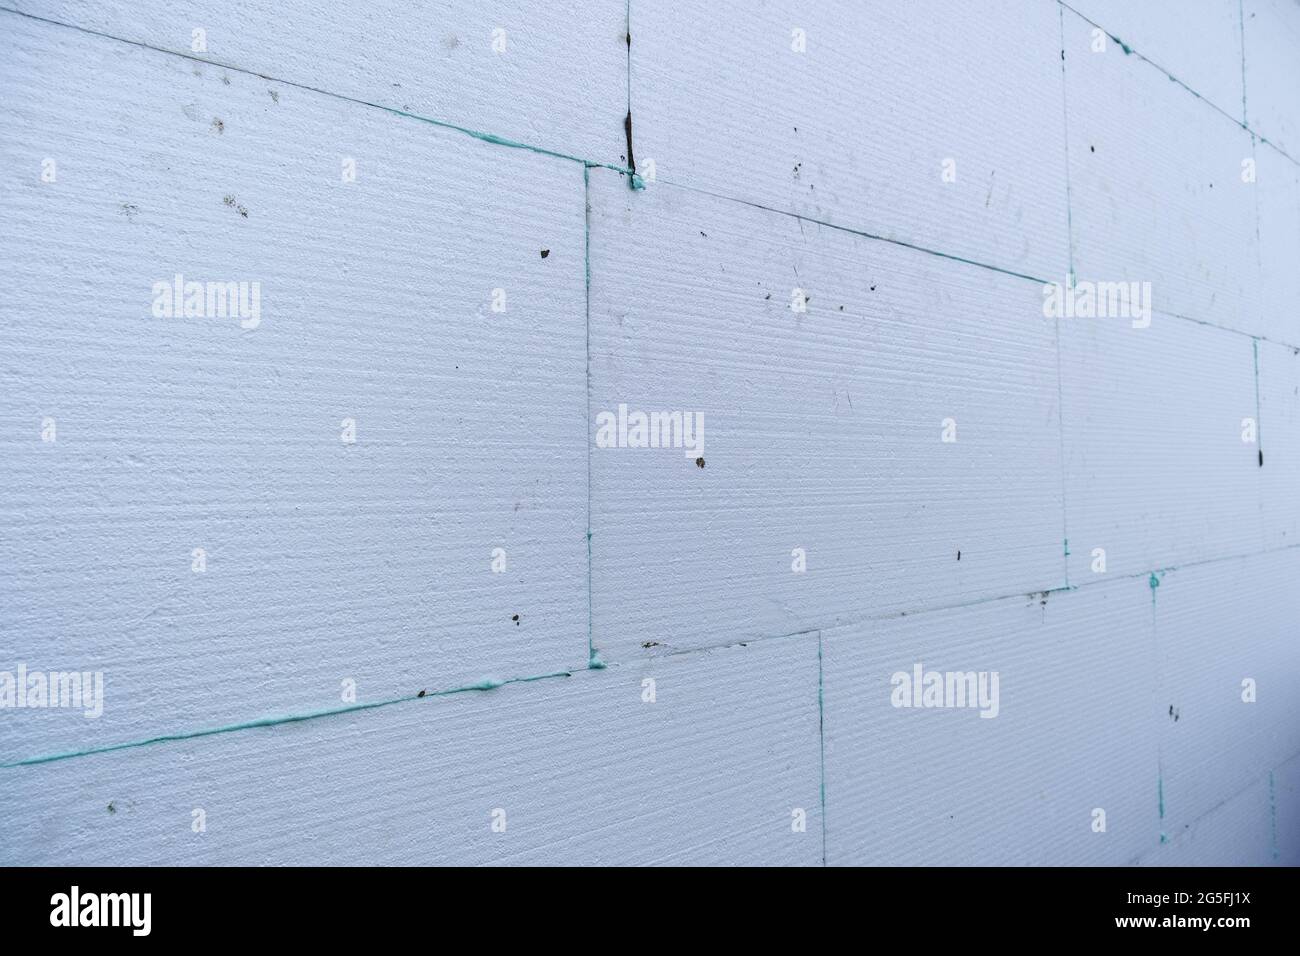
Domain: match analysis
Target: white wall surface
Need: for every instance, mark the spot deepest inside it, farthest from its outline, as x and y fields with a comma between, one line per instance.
x=648, y=680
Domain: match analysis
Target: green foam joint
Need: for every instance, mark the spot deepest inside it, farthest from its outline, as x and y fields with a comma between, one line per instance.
x=486, y=684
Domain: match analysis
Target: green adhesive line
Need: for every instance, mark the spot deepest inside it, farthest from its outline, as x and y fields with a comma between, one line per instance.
x=1065, y=111
x=1241, y=17
x=442, y=124
x=1160, y=791
x=1069, y=233
x=1129, y=51
x=1060, y=445
x=593, y=659
x=1069, y=243
x=854, y=232
x=1259, y=421
x=821, y=737
x=1154, y=582
x=487, y=684
x=1272, y=813
x=492, y=137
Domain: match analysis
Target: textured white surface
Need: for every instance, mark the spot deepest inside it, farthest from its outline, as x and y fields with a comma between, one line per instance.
x=1217, y=625
x=819, y=434
x=585, y=771
x=326, y=561
x=1156, y=471
x=776, y=170
x=1237, y=832
x=560, y=83
x=855, y=130
x=1279, y=405
x=1278, y=197
x=1197, y=41
x=1272, y=32
x=1284, y=801
x=1156, y=187
x=1075, y=732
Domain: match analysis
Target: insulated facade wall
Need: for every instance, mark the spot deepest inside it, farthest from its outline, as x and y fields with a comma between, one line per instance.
x=366, y=584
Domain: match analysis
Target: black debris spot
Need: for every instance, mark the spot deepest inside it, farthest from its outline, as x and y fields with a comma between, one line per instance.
x=235, y=205
x=129, y=209
x=545, y=253
x=958, y=555
x=225, y=80
x=768, y=296
x=111, y=807
x=699, y=462
x=795, y=172
x=627, y=128
x=1261, y=458
x=873, y=288
x=275, y=96
x=704, y=234
x=650, y=644
x=1175, y=714
x=841, y=308
x=515, y=618
x=420, y=694
x=218, y=125
x=628, y=38
x=1092, y=149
